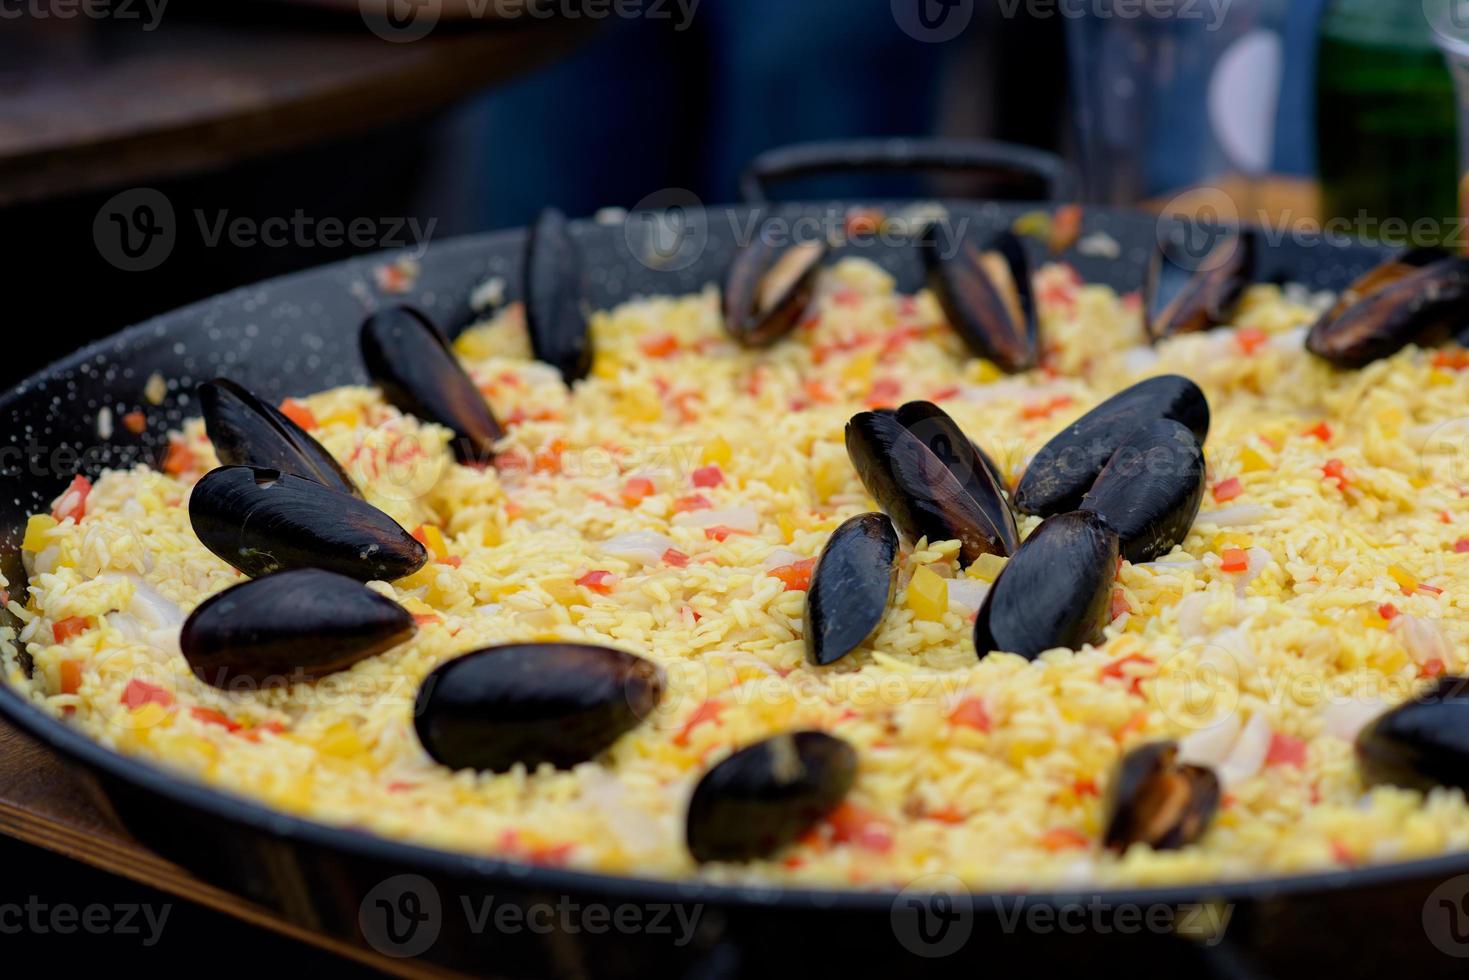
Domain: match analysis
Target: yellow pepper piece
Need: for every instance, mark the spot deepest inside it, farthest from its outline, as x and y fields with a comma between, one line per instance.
x=1403, y=577
x=36, y=529
x=348, y=417
x=928, y=594
x=638, y=405
x=982, y=371
x=717, y=452
x=1252, y=462
x=563, y=589
x=829, y=479
x=987, y=568
x=860, y=368
x=489, y=535
x=433, y=539
x=1374, y=621
x=605, y=366
x=341, y=740
x=787, y=527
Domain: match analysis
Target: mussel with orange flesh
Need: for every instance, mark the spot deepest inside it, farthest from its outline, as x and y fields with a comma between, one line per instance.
x=1156, y=800
x=1418, y=296
x=553, y=298
x=974, y=471
x=263, y=521
x=290, y=626
x=986, y=294
x=248, y=431
x=1055, y=591
x=1198, y=294
x=412, y=363
x=1067, y=466
x=851, y=587
x=1151, y=489
x=766, y=795
x=533, y=703
x=917, y=490
x=769, y=286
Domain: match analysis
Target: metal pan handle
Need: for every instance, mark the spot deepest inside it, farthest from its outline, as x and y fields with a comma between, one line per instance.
x=983, y=156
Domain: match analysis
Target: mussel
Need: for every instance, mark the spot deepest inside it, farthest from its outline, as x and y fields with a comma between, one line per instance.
x=1417, y=296
x=553, y=298
x=248, y=431
x=1055, y=591
x=768, y=794
x=529, y=703
x=1150, y=490
x=769, y=286
x=986, y=295
x=1156, y=800
x=851, y=586
x=263, y=521
x=412, y=363
x=1421, y=743
x=1067, y=466
x=299, y=624
x=974, y=470
x=1197, y=295
x=917, y=490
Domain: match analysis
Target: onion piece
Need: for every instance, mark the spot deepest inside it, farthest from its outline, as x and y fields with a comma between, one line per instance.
x=1237, y=516
x=1210, y=746
x=1346, y=718
x=1247, y=757
x=647, y=547
x=1422, y=638
x=743, y=518
x=967, y=593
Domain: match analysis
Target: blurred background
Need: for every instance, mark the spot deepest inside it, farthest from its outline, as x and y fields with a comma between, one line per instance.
x=260, y=123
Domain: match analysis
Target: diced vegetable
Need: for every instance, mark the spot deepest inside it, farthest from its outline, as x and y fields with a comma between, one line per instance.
x=987, y=568
x=73, y=501
x=928, y=594
x=598, y=581
x=1250, y=339
x=706, y=712
x=851, y=824
x=69, y=627
x=717, y=452
x=636, y=490
x=1320, y=430
x=971, y=713
x=1286, y=750
x=1234, y=560
x=1228, y=489
x=298, y=413
x=675, y=558
x=431, y=538
x=37, y=529
x=797, y=575
x=139, y=693
x=1405, y=579
x=70, y=672
x=1064, y=839
x=135, y=422
x=1252, y=461
x=708, y=476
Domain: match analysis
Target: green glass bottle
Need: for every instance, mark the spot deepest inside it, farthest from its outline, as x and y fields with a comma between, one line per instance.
x=1386, y=121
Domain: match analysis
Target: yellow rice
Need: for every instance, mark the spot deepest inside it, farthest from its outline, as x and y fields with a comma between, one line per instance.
x=1296, y=646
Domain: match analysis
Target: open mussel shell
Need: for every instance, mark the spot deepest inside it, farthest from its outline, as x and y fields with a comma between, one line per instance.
x=411, y=362
x=1150, y=490
x=1156, y=800
x=1190, y=293
x=1421, y=743
x=1416, y=297
x=769, y=286
x=553, y=298
x=291, y=626
x=263, y=521
x=971, y=467
x=766, y=795
x=1067, y=466
x=915, y=488
x=1056, y=591
x=851, y=586
x=248, y=431
x=529, y=703
x=986, y=294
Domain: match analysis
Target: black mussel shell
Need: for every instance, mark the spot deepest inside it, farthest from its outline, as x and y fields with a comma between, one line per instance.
x=1067, y=466
x=301, y=624
x=1421, y=743
x=248, y=431
x=1417, y=297
x=986, y=294
x=975, y=471
x=1156, y=800
x=553, y=298
x=768, y=287
x=529, y=703
x=916, y=489
x=1197, y=295
x=263, y=521
x=1056, y=591
x=1150, y=490
x=851, y=586
x=766, y=795
x=411, y=362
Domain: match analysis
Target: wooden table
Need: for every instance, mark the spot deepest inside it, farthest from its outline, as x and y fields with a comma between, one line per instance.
x=93, y=104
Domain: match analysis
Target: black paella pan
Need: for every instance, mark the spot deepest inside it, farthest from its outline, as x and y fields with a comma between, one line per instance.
x=298, y=334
